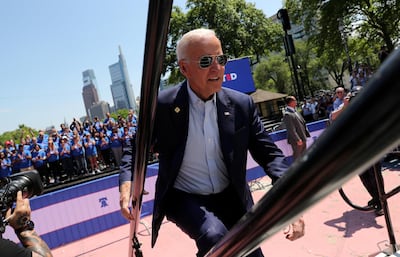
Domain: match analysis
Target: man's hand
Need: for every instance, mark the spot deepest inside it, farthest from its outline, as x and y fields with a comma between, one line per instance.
x=18, y=219
x=125, y=193
x=295, y=230
x=21, y=214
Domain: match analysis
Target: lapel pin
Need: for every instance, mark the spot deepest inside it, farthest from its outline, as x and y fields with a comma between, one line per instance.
x=177, y=110
x=227, y=113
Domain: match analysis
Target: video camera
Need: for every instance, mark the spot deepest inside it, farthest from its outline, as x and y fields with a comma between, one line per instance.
x=28, y=182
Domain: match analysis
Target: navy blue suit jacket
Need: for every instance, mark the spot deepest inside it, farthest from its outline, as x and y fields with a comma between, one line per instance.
x=240, y=130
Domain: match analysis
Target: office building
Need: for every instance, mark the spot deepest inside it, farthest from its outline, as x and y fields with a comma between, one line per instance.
x=89, y=91
x=121, y=87
x=99, y=109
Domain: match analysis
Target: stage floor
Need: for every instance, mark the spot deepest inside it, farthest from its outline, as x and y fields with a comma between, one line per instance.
x=333, y=229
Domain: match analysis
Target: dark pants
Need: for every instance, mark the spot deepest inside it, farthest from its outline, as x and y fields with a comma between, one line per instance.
x=369, y=182
x=68, y=166
x=44, y=173
x=206, y=218
x=298, y=150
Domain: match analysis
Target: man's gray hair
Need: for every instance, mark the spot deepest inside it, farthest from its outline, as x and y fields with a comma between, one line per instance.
x=187, y=38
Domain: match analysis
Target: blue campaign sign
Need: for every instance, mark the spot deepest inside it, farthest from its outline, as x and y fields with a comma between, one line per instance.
x=238, y=75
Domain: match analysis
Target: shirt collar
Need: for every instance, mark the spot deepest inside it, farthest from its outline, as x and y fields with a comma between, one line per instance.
x=290, y=108
x=193, y=98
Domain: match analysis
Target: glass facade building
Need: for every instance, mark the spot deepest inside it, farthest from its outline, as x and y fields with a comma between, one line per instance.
x=121, y=87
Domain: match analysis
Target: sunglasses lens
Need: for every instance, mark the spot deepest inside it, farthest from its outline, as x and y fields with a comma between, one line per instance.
x=222, y=59
x=206, y=61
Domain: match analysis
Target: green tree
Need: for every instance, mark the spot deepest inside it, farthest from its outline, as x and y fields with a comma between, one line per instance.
x=312, y=74
x=376, y=21
x=121, y=112
x=18, y=134
x=273, y=74
x=243, y=29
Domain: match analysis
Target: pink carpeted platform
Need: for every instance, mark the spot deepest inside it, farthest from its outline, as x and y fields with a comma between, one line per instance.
x=333, y=229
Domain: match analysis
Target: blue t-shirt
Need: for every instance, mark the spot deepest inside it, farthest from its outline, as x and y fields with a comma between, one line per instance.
x=77, y=149
x=5, y=167
x=52, y=154
x=116, y=139
x=64, y=151
x=38, y=158
x=90, y=147
x=24, y=159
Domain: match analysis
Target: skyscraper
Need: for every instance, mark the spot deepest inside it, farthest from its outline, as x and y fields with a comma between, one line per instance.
x=121, y=87
x=89, y=91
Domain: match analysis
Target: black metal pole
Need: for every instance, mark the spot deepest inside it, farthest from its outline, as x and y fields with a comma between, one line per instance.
x=300, y=96
x=383, y=200
x=158, y=17
x=373, y=130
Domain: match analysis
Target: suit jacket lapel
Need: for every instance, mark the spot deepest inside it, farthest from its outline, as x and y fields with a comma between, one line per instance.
x=226, y=124
x=180, y=114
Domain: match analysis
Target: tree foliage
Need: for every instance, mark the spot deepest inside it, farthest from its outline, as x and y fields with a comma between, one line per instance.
x=376, y=21
x=243, y=29
x=121, y=112
x=272, y=74
x=18, y=134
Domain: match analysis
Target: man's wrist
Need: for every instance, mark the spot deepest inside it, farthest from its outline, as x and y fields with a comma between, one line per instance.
x=29, y=225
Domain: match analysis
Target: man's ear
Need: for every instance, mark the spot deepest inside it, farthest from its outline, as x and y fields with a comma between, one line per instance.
x=182, y=68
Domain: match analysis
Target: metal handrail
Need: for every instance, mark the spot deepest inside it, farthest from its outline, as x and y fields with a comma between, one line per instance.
x=156, y=40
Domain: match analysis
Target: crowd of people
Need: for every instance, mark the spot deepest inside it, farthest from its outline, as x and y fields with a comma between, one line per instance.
x=321, y=104
x=73, y=151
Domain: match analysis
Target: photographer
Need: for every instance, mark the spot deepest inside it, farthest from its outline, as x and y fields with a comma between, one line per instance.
x=367, y=177
x=19, y=220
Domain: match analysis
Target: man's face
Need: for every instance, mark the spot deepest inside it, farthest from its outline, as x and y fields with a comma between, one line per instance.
x=292, y=103
x=203, y=81
x=340, y=93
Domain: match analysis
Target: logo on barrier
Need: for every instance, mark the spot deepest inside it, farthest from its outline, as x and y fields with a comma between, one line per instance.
x=230, y=76
x=238, y=75
x=103, y=202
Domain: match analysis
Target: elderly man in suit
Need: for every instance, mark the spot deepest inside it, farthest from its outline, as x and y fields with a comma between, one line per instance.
x=297, y=131
x=203, y=133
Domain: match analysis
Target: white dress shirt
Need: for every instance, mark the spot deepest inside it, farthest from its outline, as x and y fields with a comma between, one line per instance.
x=203, y=170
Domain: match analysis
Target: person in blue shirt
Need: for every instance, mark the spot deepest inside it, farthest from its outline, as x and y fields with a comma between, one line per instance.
x=24, y=158
x=53, y=160
x=91, y=152
x=78, y=156
x=39, y=160
x=42, y=139
x=108, y=121
x=65, y=157
x=97, y=124
x=105, y=149
x=5, y=165
x=116, y=145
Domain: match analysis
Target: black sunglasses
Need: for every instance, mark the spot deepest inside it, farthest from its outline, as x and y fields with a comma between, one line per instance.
x=206, y=60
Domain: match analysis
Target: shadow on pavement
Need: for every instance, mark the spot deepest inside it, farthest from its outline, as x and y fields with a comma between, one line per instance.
x=353, y=221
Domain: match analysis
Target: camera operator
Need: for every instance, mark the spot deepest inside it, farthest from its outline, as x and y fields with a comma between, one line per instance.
x=19, y=220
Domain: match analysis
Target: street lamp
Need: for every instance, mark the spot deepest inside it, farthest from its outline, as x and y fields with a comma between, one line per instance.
x=283, y=16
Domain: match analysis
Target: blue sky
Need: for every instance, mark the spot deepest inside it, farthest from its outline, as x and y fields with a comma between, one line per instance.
x=47, y=44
